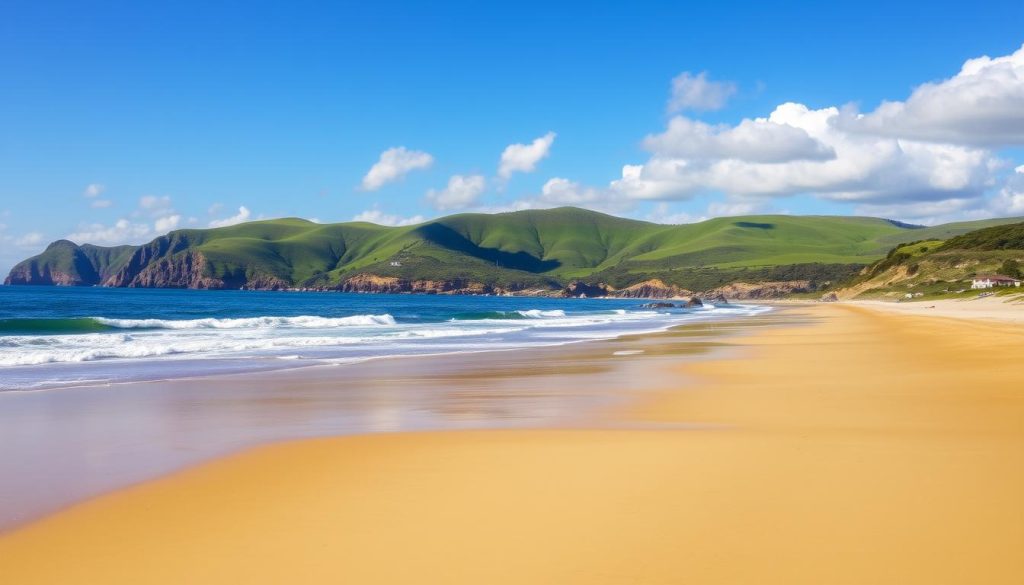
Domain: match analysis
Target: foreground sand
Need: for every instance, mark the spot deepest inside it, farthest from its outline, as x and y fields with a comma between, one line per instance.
x=864, y=448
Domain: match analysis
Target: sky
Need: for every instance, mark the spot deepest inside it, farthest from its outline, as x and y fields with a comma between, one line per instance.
x=120, y=121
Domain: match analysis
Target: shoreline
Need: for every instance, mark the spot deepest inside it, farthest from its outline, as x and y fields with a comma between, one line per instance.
x=225, y=414
x=863, y=478
x=326, y=362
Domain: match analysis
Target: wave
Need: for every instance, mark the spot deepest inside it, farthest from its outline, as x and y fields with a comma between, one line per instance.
x=508, y=315
x=538, y=314
x=52, y=326
x=104, y=324
x=303, y=322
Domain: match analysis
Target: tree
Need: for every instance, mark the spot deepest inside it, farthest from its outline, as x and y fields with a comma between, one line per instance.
x=1011, y=268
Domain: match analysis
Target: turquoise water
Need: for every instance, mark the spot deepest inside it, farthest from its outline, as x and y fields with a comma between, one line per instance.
x=56, y=336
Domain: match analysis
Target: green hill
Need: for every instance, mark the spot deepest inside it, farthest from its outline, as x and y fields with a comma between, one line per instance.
x=934, y=267
x=509, y=251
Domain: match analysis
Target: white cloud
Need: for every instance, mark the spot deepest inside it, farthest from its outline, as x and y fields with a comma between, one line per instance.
x=154, y=205
x=166, y=224
x=697, y=92
x=153, y=217
x=982, y=105
x=122, y=231
x=733, y=207
x=29, y=240
x=214, y=209
x=760, y=140
x=462, y=191
x=393, y=164
x=242, y=216
x=523, y=158
x=380, y=218
x=861, y=167
x=929, y=212
x=93, y=190
x=1010, y=198
x=561, y=191
x=101, y=203
x=929, y=157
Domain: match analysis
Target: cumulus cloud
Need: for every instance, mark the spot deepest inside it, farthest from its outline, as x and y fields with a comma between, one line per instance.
x=931, y=156
x=93, y=190
x=153, y=216
x=523, y=158
x=562, y=191
x=166, y=224
x=462, y=191
x=1010, y=198
x=123, y=231
x=29, y=240
x=394, y=164
x=242, y=216
x=814, y=153
x=697, y=92
x=381, y=218
x=982, y=105
x=154, y=204
x=762, y=140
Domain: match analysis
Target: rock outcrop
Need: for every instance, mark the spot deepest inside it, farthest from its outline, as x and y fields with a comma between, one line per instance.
x=579, y=288
x=759, y=290
x=651, y=289
x=372, y=283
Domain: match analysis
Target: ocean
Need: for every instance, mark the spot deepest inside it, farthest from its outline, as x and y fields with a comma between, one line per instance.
x=61, y=336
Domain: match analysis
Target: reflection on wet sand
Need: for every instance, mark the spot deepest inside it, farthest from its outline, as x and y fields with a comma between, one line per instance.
x=69, y=444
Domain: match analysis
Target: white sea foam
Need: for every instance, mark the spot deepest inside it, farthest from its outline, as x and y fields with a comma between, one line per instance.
x=330, y=338
x=538, y=314
x=305, y=321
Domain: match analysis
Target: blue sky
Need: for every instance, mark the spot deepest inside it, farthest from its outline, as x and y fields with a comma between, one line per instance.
x=120, y=120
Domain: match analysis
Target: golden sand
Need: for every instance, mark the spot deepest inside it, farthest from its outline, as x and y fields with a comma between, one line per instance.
x=866, y=448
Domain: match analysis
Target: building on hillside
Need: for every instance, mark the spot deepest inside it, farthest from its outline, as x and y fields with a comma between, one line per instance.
x=992, y=281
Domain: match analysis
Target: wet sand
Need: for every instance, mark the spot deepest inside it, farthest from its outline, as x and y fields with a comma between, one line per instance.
x=66, y=445
x=856, y=446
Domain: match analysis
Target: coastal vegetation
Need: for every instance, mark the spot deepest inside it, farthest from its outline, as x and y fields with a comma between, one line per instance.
x=538, y=251
x=933, y=268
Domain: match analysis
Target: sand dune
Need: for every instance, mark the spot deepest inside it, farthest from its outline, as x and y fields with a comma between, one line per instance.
x=860, y=447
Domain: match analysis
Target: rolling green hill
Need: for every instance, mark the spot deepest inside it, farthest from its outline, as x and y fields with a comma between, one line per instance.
x=543, y=249
x=935, y=267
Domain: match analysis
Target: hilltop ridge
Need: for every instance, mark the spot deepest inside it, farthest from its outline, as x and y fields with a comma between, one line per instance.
x=534, y=250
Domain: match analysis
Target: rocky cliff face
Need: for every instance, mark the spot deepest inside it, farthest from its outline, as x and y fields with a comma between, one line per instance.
x=43, y=275
x=179, y=271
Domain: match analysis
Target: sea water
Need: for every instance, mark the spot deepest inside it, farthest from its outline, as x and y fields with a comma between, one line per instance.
x=63, y=336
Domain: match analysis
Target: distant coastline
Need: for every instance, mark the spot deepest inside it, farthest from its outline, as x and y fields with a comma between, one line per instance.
x=566, y=252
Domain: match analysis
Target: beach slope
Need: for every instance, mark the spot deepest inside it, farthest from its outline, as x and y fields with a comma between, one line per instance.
x=859, y=447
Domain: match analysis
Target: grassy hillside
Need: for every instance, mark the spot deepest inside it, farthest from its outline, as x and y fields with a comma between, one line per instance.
x=536, y=248
x=935, y=267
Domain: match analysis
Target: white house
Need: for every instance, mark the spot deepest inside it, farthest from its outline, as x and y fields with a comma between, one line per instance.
x=993, y=280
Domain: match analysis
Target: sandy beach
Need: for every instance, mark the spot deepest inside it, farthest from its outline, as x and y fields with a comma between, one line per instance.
x=855, y=446
x=1006, y=309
